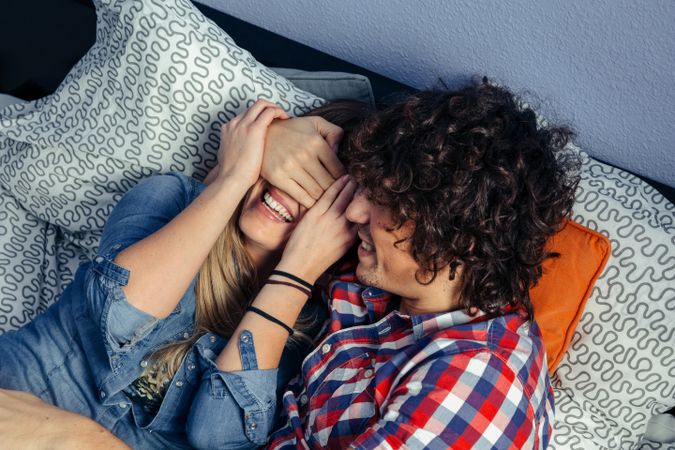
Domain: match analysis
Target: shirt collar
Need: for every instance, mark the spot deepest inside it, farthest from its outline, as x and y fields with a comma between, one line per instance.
x=427, y=324
x=377, y=302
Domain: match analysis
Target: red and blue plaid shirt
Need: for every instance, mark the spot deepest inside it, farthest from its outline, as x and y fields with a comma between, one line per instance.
x=381, y=379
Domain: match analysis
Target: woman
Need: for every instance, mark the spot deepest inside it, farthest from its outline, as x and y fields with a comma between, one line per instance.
x=176, y=334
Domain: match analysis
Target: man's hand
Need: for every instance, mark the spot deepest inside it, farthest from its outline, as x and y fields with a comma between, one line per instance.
x=301, y=157
x=26, y=422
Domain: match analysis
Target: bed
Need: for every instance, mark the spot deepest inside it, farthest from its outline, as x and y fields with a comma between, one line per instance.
x=67, y=158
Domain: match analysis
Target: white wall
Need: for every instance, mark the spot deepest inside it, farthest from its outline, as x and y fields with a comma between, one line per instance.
x=604, y=67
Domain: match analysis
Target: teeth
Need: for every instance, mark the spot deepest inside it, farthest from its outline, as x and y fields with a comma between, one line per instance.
x=276, y=206
x=366, y=246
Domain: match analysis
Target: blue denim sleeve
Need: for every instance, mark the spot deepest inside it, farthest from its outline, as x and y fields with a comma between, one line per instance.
x=233, y=410
x=146, y=208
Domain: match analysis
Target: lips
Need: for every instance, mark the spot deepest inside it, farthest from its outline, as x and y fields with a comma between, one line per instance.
x=366, y=244
x=282, y=199
x=273, y=204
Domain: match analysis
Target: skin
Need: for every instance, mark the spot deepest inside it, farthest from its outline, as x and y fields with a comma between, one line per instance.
x=265, y=234
x=300, y=157
x=27, y=422
x=391, y=267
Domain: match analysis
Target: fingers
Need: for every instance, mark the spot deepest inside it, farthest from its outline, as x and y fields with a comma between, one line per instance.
x=344, y=198
x=331, y=162
x=266, y=117
x=308, y=183
x=328, y=197
x=298, y=194
x=330, y=132
x=256, y=109
x=320, y=174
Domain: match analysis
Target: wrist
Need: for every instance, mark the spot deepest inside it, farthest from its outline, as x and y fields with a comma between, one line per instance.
x=299, y=269
x=231, y=184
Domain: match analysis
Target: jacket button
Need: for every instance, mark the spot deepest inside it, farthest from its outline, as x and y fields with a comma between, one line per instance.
x=179, y=383
x=325, y=348
x=191, y=366
x=186, y=335
x=144, y=363
x=98, y=259
x=252, y=425
x=212, y=338
x=123, y=405
x=303, y=399
x=368, y=373
x=102, y=394
x=245, y=338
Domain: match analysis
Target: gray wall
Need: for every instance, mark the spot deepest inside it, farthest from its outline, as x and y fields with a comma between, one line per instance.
x=605, y=67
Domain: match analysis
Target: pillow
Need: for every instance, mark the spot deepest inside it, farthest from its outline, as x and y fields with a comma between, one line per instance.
x=619, y=369
x=148, y=97
x=6, y=100
x=560, y=295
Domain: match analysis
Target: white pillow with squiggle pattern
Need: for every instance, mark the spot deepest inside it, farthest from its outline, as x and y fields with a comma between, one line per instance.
x=148, y=97
x=620, y=367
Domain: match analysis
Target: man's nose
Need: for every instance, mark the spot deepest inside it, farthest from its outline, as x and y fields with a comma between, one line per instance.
x=357, y=211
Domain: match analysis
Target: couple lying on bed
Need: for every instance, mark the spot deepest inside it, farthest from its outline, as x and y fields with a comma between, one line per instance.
x=205, y=298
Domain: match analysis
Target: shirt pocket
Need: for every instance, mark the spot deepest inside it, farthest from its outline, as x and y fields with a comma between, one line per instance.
x=343, y=406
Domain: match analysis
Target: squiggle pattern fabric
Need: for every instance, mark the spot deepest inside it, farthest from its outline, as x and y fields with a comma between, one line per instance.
x=150, y=96
x=620, y=368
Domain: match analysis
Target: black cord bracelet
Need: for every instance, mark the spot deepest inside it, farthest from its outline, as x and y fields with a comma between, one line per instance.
x=271, y=318
x=290, y=276
x=307, y=292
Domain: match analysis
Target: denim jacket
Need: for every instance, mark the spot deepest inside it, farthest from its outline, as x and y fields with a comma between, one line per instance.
x=94, y=339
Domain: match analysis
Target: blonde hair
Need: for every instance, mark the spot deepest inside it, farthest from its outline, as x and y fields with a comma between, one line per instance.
x=227, y=283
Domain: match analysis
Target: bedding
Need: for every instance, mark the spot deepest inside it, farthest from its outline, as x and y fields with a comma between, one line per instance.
x=150, y=96
x=620, y=367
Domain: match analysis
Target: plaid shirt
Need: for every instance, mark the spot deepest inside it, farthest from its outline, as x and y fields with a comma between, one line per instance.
x=381, y=379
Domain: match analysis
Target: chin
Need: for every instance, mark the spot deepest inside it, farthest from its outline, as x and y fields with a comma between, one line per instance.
x=366, y=277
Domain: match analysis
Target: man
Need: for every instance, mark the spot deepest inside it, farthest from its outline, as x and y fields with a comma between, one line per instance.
x=458, y=193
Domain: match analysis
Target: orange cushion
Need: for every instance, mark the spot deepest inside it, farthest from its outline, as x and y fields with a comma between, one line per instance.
x=567, y=281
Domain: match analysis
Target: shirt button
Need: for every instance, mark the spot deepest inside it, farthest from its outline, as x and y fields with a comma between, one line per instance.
x=98, y=259
x=179, y=383
x=368, y=373
x=303, y=399
x=212, y=338
x=325, y=348
x=144, y=363
x=191, y=366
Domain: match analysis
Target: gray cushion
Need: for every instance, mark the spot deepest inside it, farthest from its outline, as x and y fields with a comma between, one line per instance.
x=6, y=99
x=331, y=85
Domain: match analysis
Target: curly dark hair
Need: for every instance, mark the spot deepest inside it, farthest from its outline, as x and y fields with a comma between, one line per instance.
x=485, y=185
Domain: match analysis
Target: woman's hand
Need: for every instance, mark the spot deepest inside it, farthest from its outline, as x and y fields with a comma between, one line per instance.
x=323, y=235
x=242, y=142
x=301, y=157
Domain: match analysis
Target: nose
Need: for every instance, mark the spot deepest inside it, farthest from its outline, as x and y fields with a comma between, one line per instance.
x=358, y=210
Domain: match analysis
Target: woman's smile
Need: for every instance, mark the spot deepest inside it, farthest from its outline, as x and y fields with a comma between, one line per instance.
x=274, y=207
